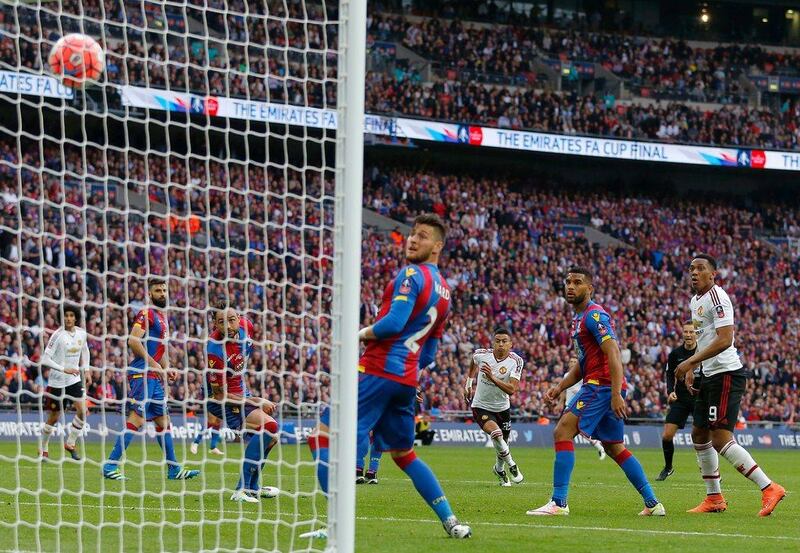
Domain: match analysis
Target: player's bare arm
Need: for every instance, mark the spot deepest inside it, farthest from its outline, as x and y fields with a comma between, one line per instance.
x=468, y=386
x=721, y=342
x=138, y=349
x=611, y=350
x=509, y=387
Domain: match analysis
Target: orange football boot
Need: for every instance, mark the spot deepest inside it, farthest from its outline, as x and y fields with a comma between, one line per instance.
x=713, y=503
x=770, y=497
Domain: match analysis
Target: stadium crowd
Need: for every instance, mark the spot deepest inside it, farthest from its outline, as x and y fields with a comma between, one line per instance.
x=263, y=59
x=267, y=248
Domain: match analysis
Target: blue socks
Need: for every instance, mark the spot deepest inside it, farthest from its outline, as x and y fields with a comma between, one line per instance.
x=215, y=437
x=562, y=471
x=164, y=439
x=319, y=450
x=633, y=470
x=374, y=460
x=426, y=483
x=122, y=443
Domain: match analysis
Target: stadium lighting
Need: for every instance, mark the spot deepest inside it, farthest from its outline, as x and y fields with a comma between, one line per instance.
x=705, y=16
x=764, y=20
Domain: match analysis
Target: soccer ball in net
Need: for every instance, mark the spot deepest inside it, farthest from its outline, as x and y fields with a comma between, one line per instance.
x=77, y=58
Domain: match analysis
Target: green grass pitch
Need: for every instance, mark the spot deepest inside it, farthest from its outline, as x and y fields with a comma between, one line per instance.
x=197, y=515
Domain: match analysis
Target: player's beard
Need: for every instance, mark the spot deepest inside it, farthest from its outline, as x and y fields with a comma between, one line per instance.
x=419, y=256
x=576, y=299
x=160, y=302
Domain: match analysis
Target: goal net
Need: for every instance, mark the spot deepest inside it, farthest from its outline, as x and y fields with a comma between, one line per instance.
x=207, y=156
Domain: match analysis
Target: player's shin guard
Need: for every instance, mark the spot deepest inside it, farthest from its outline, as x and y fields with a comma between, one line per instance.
x=123, y=441
x=708, y=460
x=319, y=450
x=633, y=470
x=744, y=463
x=562, y=471
x=74, y=431
x=426, y=484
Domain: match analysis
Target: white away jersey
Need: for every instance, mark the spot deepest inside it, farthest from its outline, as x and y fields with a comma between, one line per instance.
x=487, y=395
x=711, y=311
x=68, y=350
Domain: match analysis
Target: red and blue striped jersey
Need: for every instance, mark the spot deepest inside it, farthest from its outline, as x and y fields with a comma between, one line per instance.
x=591, y=328
x=154, y=324
x=397, y=356
x=227, y=360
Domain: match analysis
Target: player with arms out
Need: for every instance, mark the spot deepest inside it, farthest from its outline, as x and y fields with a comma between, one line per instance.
x=229, y=400
x=598, y=411
x=405, y=337
x=679, y=397
x=722, y=385
x=500, y=373
x=66, y=355
x=146, y=399
x=569, y=395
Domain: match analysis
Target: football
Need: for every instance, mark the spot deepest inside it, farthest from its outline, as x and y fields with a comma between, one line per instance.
x=76, y=59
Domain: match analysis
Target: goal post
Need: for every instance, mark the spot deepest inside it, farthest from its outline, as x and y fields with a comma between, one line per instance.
x=222, y=150
x=347, y=288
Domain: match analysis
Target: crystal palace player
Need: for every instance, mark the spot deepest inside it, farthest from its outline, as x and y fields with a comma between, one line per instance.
x=598, y=410
x=66, y=354
x=500, y=373
x=146, y=399
x=229, y=400
x=405, y=337
x=722, y=384
x=679, y=397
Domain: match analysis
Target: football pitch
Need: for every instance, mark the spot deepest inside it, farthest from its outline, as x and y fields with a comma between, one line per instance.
x=197, y=514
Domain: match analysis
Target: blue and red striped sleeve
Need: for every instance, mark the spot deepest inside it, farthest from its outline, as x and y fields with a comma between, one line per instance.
x=408, y=284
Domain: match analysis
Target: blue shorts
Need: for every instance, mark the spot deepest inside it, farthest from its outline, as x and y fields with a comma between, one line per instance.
x=386, y=408
x=592, y=406
x=146, y=397
x=233, y=415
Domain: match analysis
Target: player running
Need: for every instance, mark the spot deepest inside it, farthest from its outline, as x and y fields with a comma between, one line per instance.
x=679, y=397
x=569, y=394
x=501, y=370
x=146, y=399
x=229, y=400
x=67, y=356
x=405, y=337
x=598, y=411
x=721, y=388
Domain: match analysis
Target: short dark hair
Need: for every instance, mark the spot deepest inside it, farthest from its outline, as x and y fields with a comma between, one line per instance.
x=155, y=281
x=582, y=271
x=432, y=220
x=74, y=309
x=220, y=303
x=688, y=323
x=502, y=330
x=711, y=260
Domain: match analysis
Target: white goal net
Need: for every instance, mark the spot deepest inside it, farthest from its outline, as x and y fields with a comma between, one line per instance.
x=207, y=157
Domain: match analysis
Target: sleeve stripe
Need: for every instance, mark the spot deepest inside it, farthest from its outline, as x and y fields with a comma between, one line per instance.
x=715, y=296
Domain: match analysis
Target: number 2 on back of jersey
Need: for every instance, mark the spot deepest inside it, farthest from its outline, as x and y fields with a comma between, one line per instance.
x=413, y=341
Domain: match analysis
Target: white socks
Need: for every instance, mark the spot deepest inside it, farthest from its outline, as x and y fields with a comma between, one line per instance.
x=598, y=445
x=709, y=466
x=744, y=463
x=47, y=431
x=500, y=445
x=74, y=431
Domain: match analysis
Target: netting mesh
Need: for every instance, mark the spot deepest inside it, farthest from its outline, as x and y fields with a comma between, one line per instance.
x=98, y=194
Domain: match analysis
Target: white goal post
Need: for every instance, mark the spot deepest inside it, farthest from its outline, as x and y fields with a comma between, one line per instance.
x=175, y=165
